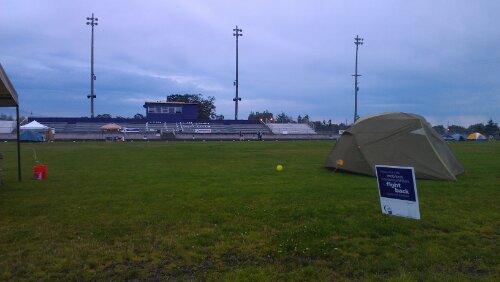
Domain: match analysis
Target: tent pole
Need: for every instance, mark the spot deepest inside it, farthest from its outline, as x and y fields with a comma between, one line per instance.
x=18, y=146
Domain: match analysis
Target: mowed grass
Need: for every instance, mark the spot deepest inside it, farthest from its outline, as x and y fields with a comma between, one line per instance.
x=220, y=211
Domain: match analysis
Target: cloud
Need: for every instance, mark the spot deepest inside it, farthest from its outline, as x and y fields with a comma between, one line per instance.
x=427, y=57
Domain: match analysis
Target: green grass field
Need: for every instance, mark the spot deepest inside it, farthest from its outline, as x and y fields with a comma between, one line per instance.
x=220, y=211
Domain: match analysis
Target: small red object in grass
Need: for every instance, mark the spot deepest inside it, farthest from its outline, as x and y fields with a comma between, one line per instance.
x=40, y=172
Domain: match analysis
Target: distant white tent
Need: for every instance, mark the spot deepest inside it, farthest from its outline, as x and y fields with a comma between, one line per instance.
x=34, y=125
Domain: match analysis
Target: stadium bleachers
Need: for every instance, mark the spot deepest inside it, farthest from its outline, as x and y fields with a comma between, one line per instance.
x=184, y=127
x=58, y=126
x=218, y=128
x=290, y=128
x=251, y=128
x=87, y=127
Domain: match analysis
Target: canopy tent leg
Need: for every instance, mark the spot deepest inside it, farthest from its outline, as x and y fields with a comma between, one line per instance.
x=18, y=146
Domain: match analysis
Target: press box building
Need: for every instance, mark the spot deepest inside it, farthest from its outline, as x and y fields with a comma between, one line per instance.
x=170, y=112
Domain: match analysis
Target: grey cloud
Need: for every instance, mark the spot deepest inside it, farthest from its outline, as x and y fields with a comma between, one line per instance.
x=418, y=56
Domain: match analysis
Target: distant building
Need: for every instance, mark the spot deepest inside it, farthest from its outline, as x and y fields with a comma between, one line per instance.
x=171, y=111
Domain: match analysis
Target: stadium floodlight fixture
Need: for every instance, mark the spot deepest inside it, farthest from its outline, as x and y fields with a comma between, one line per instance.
x=237, y=30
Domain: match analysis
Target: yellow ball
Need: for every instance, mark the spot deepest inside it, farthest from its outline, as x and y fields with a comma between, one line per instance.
x=279, y=167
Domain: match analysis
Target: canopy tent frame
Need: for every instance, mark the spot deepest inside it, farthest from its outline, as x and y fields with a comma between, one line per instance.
x=9, y=98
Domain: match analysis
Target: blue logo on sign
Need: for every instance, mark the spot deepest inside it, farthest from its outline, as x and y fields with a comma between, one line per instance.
x=387, y=209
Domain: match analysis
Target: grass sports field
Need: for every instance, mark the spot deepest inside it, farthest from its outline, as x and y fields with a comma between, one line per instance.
x=220, y=211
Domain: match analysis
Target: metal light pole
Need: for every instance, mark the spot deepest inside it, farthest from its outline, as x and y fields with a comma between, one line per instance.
x=92, y=22
x=237, y=33
x=18, y=133
x=357, y=41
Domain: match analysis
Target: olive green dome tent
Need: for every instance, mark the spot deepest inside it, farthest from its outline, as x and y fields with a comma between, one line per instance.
x=396, y=139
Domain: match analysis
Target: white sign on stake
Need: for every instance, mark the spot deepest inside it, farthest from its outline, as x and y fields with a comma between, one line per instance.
x=397, y=189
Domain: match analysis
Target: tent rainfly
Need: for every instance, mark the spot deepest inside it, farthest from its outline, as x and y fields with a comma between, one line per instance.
x=476, y=137
x=448, y=137
x=395, y=139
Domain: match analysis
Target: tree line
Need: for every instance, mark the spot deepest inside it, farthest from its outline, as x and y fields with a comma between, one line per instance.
x=490, y=128
x=325, y=126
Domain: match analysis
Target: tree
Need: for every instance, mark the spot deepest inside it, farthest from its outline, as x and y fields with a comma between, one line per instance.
x=318, y=125
x=284, y=118
x=491, y=128
x=104, y=116
x=305, y=119
x=439, y=129
x=343, y=126
x=266, y=115
x=478, y=127
x=457, y=129
x=206, y=106
x=139, y=116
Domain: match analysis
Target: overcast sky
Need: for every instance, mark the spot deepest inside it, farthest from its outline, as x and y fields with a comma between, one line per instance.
x=439, y=59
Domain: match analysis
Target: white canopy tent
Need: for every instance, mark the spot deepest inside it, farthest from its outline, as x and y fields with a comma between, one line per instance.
x=34, y=125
